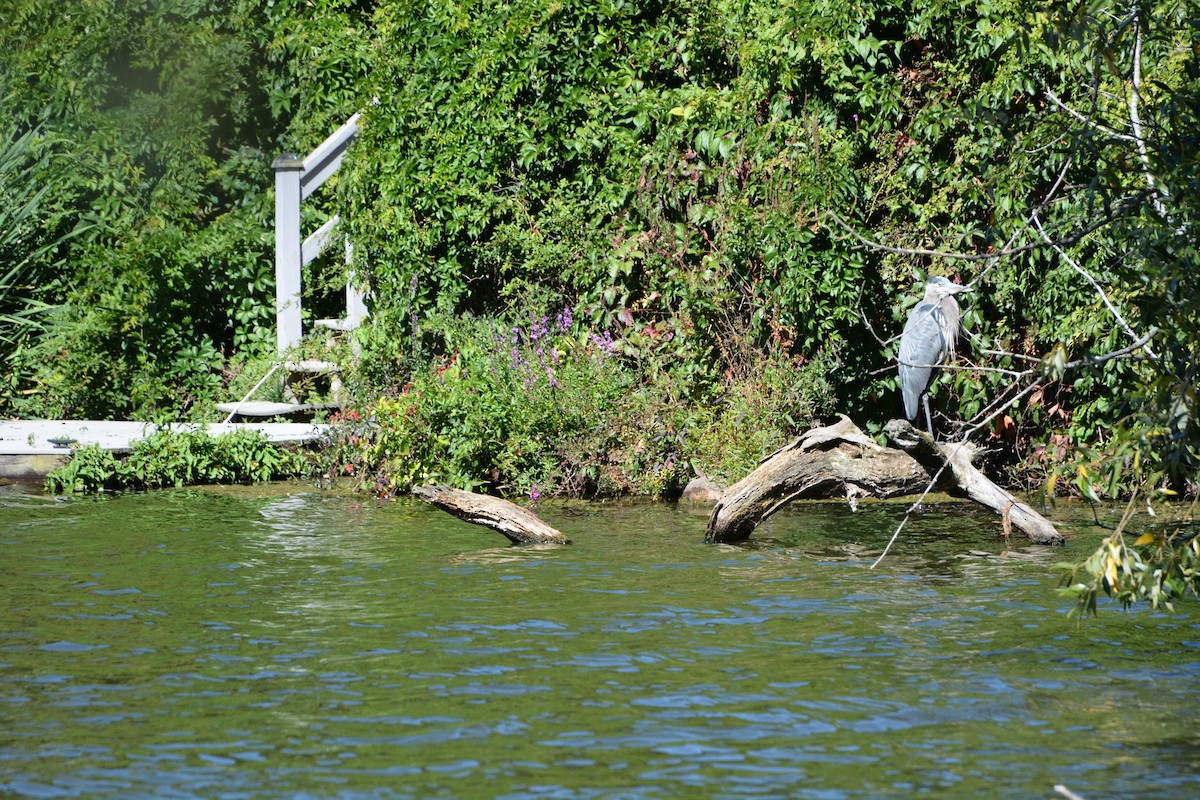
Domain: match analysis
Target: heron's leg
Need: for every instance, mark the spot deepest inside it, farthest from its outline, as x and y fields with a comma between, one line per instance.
x=928, y=419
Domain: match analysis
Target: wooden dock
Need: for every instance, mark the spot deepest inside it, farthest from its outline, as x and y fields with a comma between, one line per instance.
x=31, y=448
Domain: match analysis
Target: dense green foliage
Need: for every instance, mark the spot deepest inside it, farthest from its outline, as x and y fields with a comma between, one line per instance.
x=29, y=245
x=698, y=179
x=169, y=458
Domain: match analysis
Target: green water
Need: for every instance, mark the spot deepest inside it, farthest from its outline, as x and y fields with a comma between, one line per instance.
x=288, y=643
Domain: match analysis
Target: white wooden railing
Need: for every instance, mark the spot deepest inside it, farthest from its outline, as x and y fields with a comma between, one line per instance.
x=295, y=180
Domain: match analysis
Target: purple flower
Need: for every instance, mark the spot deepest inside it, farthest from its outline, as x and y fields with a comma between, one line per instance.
x=563, y=320
x=604, y=342
x=539, y=330
x=534, y=494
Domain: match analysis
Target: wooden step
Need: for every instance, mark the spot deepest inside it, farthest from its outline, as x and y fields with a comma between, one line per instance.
x=311, y=365
x=264, y=408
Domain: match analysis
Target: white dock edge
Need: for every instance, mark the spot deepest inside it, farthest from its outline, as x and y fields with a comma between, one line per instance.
x=60, y=437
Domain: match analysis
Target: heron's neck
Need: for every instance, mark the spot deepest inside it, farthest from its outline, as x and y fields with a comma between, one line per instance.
x=952, y=314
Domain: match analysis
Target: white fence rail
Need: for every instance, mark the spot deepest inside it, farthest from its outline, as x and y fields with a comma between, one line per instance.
x=295, y=180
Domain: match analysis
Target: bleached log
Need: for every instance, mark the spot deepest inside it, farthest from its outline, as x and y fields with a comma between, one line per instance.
x=832, y=461
x=518, y=524
x=957, y=456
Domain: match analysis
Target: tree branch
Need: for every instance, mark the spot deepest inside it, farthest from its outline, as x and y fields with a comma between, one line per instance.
x=1091, y=123
x=1096, y=286
x=1045, y=201
x=1139, y=344
x=1135, y=120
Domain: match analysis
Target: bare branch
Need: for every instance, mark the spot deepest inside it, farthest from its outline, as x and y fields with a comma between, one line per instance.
x=914, y=507
x=999, y=407
x=1065, y=792
x=1139, y=344
x=1002, y=405
x=1135, y=120
x=867, y=322
x=1016, y=374
x=870, y=328
x=1091, y=123
x=1096, y=286
x=1045, y=201
x=1005, y=353
x=915, y=251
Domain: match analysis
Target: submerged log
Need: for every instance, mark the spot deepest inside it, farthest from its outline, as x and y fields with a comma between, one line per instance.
x=957, y=456
x=520, y=525
x=837, y=460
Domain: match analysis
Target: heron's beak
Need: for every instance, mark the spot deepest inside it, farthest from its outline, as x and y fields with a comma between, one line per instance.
x=960, y=289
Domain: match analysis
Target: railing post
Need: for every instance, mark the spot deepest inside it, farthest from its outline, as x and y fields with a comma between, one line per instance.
x=356, y=303
x=288, y=170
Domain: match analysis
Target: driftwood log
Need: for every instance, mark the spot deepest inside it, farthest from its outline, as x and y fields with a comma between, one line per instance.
x=937, y=457
x=841, y=460
x=520, y=525
x=825, y=462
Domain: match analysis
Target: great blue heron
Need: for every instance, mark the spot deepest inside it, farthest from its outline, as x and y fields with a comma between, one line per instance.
x=927, y=342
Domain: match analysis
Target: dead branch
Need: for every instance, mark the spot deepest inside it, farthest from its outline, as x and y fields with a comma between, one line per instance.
x=1094, y=284
x=1088, y=121
x=840, y=460
x=1129, y=203
x=957, y=456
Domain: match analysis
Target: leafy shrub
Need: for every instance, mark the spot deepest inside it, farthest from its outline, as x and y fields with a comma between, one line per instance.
x=547, y=406
x=494, y=411
x=161, y=137
x=1156, y=567
x=756, y=409
x=168, y=458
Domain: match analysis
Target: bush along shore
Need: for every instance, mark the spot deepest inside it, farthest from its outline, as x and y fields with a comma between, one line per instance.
x=542, y=406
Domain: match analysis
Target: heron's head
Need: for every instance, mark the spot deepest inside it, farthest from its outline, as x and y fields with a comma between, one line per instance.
x=939, y=287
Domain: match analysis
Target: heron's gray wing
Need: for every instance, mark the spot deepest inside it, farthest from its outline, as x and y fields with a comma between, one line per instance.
x=922, y=347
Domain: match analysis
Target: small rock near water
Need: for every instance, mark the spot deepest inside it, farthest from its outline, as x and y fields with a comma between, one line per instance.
x=702, y=490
